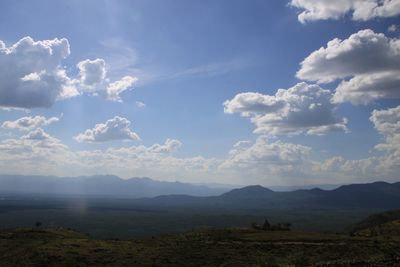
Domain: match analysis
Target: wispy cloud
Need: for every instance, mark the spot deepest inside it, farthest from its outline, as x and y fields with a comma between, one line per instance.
x=212, y=69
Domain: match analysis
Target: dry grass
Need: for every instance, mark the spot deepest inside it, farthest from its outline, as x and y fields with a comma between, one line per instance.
x=224, y=247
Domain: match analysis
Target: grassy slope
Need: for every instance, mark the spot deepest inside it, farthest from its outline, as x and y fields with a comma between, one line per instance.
x=387, y=229
x=228, y=247
x=377, y=219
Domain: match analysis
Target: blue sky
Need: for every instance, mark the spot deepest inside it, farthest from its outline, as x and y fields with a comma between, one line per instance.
x=189, y=57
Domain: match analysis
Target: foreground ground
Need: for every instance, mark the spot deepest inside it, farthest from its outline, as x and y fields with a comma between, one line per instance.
x=227, y=247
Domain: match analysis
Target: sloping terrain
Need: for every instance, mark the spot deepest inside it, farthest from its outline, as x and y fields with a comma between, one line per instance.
x=385, y=224
x=227, y=247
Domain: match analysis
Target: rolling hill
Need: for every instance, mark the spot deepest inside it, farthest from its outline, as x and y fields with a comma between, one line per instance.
x=379, y=195
x=148, y=192
x=381, y=224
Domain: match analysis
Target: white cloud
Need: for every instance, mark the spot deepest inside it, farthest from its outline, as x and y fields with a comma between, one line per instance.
x=361, y=10
x=170, y=145
x=365, y=88
x=92, y=72
x=383, y=166
x=264, y=154
x=116, y=128
x=213, y=68
x=114, y=89
x=35, y=153
x=39, y=153
x=392, y=28
x=263, y=161
x=249, y=103
x=344, y=170
x=28, y=123
x=346, y=58
x=140, y=104
x=153, y=161
x=93, y=79
x=302, y=108
x=240, y=146
x=371, y=61
x=387, y=123
x=31, y=75
x=37, y=134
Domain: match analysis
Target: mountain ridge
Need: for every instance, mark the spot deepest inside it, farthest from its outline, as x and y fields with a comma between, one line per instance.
x=368, y=195
x=101, y=185
x=146, y=191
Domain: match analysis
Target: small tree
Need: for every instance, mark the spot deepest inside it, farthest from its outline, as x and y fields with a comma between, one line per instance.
x=38, y=224
x=266, y=225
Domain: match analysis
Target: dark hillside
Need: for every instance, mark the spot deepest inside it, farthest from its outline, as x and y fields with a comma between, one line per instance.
x=381, y=223
x=223, y=247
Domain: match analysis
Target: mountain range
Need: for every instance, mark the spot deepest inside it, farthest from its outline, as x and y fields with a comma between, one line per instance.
x=377, y=195
x=101, y=185
x=148, y=192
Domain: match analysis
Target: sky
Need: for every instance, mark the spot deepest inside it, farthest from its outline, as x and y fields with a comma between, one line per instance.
x=276, y=92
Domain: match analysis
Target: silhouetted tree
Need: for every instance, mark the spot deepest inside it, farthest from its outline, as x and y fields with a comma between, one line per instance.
x=266, y=225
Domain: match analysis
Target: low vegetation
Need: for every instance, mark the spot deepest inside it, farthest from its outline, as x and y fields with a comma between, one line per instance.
x=224, y=247
x=43, y=238
x=383, y=224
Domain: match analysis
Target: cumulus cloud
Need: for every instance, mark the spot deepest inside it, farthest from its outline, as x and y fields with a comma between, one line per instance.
x=371, y=61
x=170, y=145
x=303, y=108
x=385, y=165
x=265, y=154
x=37, y=134
x=116, y=128
x=114, y=89
x=346, y=58
x=262, y=161
x=31, y=75
x=36, y=153
x=94, y=80
x=360, y=10
x=92, y=72
x=392, y=28
x=343, y=170
x=365, y=88
x=40, y=153
x=28, y=123
x=387, y=123
x=155, y=161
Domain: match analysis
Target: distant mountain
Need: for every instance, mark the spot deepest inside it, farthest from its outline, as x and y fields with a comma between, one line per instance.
x=252, y=192
x=100, y=185
x=283, y=188
x=378, y=195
